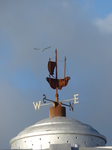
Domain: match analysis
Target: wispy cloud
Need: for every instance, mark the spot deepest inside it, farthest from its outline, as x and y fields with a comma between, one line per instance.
x=105, y=24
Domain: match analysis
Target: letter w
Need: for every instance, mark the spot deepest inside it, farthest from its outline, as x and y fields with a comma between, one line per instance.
x=36, y=105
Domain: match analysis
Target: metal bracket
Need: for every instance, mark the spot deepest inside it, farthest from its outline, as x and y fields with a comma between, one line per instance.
x=71, y=106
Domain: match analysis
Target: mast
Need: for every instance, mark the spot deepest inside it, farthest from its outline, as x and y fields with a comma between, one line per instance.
x=65, y=68
x=55, y=83
x=49, y=72
x=56, y=77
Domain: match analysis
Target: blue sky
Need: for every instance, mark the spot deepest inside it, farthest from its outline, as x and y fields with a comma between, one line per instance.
x=97, y=8
x=81, y=30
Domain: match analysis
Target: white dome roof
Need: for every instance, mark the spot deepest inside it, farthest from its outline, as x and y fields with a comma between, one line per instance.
x=62, y=128
x=59, y=125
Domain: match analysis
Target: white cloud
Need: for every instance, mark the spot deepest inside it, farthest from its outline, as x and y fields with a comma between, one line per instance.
x=105, y=25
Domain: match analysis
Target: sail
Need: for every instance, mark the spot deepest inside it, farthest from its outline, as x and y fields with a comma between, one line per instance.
x=63, y=82
x=51, y=66
x=59, y=83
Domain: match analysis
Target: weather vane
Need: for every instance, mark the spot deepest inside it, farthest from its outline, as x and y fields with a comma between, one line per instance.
x=56, y=84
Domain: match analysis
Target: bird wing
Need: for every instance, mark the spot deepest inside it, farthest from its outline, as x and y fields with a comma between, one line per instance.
x=46, y=48
x=37, y=49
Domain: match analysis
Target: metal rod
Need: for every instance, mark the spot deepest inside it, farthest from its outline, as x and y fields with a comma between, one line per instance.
x=46, y=104
x=56, y=77
x=67, y=100
x=50, y=100
x=50, y=68
x=64, y=104
x=65, y=68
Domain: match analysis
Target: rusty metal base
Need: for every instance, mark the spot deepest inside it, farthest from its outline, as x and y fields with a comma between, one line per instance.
x=57, y=111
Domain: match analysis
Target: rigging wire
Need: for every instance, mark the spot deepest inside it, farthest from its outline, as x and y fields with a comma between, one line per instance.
x=67, y=69
x=61, y=61
x=53, y=57
x=60, y=74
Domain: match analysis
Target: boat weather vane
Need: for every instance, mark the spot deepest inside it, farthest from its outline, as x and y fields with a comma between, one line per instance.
x=57, y=84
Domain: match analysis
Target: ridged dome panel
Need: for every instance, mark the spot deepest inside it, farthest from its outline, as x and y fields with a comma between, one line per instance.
x=64, y=129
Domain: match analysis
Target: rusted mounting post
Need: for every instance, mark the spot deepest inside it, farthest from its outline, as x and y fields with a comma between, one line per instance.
x=56, y=96
x=57, y=111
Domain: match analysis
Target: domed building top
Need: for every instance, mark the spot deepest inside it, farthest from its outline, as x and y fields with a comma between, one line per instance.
x=59, y=130
x=59, y=125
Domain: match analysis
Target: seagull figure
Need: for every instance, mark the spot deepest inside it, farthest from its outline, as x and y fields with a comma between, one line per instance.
x=42, y=49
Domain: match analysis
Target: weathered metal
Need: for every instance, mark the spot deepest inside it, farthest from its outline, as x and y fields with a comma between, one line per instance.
x=57, y=111
x=59, y=83
x=57, y=130
x=54, y=82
